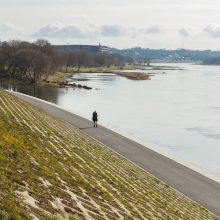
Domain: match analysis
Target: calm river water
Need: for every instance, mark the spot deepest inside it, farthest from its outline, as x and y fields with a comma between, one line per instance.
x=178, y=111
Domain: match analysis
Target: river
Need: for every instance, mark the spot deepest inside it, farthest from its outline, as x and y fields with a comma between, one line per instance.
x=179, y=111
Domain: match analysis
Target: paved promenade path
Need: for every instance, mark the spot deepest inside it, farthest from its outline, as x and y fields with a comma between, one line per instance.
x=196, y=186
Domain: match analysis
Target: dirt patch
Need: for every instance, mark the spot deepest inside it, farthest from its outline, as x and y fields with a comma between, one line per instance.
x=134, y=75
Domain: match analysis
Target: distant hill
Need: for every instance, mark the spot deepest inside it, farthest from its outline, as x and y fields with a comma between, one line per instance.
x=155, y=55
x=163, y=55
x=212, y=61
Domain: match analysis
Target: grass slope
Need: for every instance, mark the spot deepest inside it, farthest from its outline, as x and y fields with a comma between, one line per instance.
x=50, y=170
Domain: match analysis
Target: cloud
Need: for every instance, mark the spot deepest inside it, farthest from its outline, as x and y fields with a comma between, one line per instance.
x=112, y=30
x=88, y=31
x=185, y=32
x=10, y=31
x=14, y=3
x=212, y=30
x=153, y=30
x=77, y=31
x=8, y=28
x=69, y=31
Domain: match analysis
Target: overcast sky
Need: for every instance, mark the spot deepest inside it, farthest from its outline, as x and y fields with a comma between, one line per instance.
x=171, y=24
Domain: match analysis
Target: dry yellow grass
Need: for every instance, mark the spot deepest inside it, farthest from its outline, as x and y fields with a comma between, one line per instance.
x=134, y=75
x=56, y=78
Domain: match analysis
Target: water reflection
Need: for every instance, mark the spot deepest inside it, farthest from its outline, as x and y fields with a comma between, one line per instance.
x=94, y=76
x=48, y=93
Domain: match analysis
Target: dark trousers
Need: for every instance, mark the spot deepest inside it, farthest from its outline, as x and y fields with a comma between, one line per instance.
x=95, y=123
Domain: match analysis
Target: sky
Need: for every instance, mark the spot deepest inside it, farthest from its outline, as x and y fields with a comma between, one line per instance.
x=158, y=24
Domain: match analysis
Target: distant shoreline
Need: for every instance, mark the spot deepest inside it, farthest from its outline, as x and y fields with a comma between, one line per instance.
x=60, y=77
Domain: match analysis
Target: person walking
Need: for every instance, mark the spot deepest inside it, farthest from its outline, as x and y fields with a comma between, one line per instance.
x=95, y=118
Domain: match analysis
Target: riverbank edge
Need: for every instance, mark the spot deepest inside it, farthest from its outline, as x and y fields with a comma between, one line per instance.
x=150, y=146
x=60, y=77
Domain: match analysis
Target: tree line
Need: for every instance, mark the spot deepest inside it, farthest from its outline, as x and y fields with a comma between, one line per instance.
x=34, y=60
x=91, y=59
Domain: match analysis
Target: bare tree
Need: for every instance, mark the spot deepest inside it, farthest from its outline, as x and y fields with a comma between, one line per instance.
x=80, y=59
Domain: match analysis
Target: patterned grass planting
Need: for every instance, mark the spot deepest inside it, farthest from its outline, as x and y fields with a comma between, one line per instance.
x=51, y=170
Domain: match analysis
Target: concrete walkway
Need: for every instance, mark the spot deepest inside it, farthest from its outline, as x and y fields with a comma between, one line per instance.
x=196, y=186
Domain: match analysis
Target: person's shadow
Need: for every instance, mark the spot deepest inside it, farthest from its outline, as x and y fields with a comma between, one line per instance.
x=85, y=128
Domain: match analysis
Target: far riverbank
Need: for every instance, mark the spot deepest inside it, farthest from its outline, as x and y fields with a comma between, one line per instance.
x=60, y=77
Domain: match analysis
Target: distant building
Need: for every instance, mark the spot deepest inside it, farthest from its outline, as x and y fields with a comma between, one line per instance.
x=86, y=48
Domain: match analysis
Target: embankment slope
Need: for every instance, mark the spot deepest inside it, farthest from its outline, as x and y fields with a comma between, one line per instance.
x=51, y=170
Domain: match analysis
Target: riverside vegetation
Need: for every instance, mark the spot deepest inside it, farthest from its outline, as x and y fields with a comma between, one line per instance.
x=51, y=170
x=40, y=61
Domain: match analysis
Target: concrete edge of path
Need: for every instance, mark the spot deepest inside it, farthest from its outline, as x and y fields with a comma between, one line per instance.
x=155, y=148
x=194, y=185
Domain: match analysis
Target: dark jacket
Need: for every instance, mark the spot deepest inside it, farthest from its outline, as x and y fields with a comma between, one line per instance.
x=95, y=116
